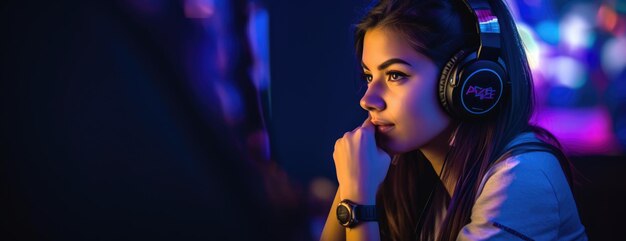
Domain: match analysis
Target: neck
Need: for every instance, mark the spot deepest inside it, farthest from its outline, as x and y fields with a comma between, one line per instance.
x=436, y=150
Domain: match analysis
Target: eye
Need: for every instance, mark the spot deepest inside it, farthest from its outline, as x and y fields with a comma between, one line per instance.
x=395, y=75
x=367, y=78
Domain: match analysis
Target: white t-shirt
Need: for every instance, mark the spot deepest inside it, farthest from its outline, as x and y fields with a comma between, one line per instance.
x=524, y=197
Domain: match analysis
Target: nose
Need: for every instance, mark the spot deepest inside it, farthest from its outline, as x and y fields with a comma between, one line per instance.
x=372, y=100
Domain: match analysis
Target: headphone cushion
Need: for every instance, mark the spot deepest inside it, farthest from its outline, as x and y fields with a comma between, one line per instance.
x=444, y=80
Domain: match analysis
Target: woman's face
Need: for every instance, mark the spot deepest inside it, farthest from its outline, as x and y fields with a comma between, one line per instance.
x=401, y=94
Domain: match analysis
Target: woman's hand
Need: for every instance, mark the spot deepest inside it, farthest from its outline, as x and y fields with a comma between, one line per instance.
x=361, y=165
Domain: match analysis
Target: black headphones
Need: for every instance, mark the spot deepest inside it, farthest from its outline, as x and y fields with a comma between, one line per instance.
x=473, y=83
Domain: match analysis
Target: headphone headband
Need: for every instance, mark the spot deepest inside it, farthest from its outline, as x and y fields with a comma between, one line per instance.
x=488, y=28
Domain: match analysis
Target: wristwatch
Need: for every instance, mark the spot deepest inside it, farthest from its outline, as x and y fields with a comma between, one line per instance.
x=349, y=213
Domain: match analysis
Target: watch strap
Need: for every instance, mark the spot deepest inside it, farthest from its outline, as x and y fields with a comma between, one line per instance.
x=365, y=213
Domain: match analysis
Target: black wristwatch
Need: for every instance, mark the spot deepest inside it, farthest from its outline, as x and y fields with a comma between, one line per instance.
x=349, y=213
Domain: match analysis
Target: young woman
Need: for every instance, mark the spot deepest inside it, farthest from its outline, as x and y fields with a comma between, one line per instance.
x=447, y=152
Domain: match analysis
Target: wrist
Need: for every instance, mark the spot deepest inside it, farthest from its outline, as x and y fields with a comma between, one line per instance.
x=359, y=197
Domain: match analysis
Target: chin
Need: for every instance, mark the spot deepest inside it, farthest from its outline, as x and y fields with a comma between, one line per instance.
x=394, y=148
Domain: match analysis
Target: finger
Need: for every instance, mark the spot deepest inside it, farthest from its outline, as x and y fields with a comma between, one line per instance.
x=366, y=130
x=367, y=124
x=368, y=121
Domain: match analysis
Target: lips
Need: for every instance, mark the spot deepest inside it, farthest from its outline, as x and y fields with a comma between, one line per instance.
x=383, y=126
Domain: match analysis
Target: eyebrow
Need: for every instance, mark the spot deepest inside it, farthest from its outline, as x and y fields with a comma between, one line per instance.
x=387, y=63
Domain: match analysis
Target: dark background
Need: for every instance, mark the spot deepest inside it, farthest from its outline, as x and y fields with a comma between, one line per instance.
x=315, y=83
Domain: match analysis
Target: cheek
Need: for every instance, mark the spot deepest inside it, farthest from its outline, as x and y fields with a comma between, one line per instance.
x=419, y=118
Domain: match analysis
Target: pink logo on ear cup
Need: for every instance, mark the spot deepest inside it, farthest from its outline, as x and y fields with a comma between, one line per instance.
x=482, y=93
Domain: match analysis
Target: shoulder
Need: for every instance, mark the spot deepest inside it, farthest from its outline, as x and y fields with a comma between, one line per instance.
x=530, y=168
x=525, y=180
x=528, y=176
x=524, y=196
x=517, y=198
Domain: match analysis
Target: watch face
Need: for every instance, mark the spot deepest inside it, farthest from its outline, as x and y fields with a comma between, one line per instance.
x=343, y=215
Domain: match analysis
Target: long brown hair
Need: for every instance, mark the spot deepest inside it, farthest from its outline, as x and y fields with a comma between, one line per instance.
x=412, y=196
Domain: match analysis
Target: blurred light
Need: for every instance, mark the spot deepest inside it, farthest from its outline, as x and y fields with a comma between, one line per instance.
x=533, y=51
x=199, y=8
x=576, y=32
x=258, y=33
x=534, y=3
x=561, y=96
x=567, y=72
x=581, y=130
x=620, y=28
x=548, y=31
x=230, y=101
x=620, y=6
x=606, y=18
x=323, y=189
x=614, y=56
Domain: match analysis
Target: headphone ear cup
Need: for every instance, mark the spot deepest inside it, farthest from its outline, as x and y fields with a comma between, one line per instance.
x=444, y=81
